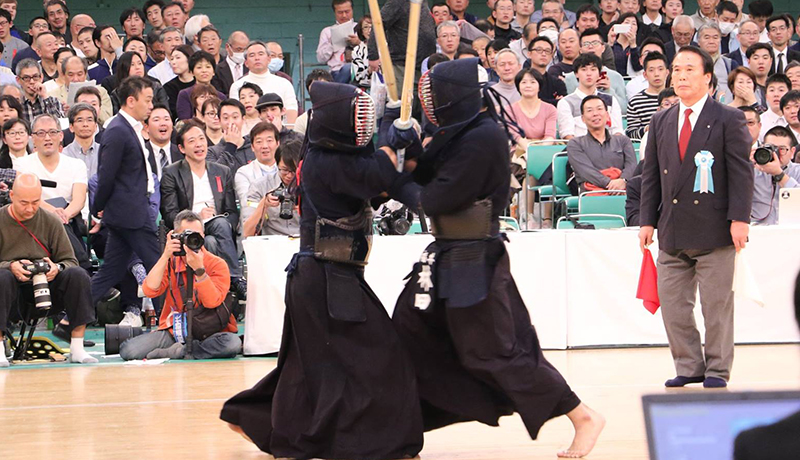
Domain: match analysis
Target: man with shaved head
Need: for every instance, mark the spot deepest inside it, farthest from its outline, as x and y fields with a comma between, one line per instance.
x=78, y=23
x=27, y=234
x=232, y=67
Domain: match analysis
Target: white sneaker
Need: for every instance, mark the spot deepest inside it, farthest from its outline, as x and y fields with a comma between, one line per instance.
x=132, y=320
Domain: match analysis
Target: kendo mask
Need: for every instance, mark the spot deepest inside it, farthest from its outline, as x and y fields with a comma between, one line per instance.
x=342, y=116
x=451, y=93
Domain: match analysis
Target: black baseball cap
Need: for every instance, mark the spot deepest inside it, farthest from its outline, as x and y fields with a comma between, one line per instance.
x=269, y=100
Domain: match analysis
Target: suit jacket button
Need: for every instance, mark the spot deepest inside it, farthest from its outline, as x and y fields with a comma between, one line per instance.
x=665, y=171
x=675, y=201
x=696, y=202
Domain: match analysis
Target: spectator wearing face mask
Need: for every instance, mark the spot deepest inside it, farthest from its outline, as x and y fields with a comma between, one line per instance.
x=232, y=68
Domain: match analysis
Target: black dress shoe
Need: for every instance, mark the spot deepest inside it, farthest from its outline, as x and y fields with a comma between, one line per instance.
x=61, y=332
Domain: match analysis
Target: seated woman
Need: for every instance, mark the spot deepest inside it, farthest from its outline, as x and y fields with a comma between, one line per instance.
x=10, y=108
x=202, y=67
x=538, y=121
x=248, y=96
x=16, y=134
x=210, y=118
x=131, y=64
x=626, y=51
x=361, y=73
x=742, y=83
x=179, y=61
x=266, y=218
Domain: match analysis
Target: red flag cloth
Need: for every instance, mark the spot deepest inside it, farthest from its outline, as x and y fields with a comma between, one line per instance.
x=648, y=283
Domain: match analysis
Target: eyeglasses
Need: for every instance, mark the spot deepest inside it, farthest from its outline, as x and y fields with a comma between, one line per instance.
x=541, y=50
x=285, y=171
x=40, y=26
x=3, y=23
x=752, y=33
x=212, y=114
x=592, y=44
x=30, y=78
x=778, y=29
x=42, y=133
x=16, y=133
x=667, y=104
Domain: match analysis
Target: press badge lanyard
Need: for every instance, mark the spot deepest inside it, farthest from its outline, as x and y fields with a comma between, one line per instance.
x=180, y=326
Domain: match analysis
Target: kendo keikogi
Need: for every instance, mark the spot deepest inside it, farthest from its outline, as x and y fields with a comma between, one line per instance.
x=461, y=317
x=344, y=387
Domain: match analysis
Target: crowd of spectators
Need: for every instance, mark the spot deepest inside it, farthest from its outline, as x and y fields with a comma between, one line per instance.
x=591, y=79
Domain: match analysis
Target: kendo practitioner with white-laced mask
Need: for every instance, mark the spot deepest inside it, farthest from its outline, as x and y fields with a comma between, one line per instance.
x=461, y=317
x=344, y=386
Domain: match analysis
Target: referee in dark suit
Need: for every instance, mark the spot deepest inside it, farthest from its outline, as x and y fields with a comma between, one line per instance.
x=702, y=219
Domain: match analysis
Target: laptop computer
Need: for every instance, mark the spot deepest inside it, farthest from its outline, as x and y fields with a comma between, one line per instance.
x=789, y=206
x=704, y=425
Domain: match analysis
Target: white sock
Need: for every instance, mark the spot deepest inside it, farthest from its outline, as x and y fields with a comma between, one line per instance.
x=77, y=354
x=3, y=359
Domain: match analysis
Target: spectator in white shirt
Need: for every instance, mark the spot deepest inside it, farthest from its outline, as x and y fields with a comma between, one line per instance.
x=159, y=131
x=570, y=123
x=257, y=60
x=171, y=37
x=790, y=108
x=447, y=39
x=777, y=86
x=265, y=139
x=48, y=163
x=327, y=52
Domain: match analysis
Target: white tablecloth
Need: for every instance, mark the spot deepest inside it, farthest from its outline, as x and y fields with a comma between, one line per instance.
x=579, y=286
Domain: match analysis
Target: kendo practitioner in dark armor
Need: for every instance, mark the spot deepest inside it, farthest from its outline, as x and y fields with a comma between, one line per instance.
x=461, y=317
x=344, y=386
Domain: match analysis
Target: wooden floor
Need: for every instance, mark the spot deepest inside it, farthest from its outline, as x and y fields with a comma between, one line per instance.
x=171, y=411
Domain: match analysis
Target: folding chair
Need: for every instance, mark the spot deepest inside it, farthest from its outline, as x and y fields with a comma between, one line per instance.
x=599, y=209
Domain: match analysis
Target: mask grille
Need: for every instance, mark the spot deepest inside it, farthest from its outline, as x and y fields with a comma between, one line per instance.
x=364, y=109
x=426, y=97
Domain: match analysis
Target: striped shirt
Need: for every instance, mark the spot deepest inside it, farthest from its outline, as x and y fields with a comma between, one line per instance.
x=641, y=108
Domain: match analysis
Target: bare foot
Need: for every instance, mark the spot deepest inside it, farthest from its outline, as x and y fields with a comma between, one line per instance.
x=239, y=430
x=588, y=425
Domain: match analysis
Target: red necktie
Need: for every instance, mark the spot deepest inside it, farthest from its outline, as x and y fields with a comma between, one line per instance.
x=686, y=134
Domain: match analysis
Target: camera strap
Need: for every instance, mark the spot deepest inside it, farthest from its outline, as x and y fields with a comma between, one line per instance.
x=11, y=211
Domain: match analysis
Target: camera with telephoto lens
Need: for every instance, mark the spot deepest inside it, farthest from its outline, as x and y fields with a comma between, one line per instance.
x=395, y=222
x=189, y=239
x=287, y=202
x=41, y=288
x=763, y=154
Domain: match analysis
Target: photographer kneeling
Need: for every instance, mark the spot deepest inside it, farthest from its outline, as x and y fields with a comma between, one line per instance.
x=211, y=285
x=774, y=170
x=33, y=245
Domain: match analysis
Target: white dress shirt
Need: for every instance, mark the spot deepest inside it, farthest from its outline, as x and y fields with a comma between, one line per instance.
x=237, y=70
x=203, y=196
x=646, y=19
x=696, y=109
x=157, y=152
x=137, y=127
x=769, y=120
x=781, y=58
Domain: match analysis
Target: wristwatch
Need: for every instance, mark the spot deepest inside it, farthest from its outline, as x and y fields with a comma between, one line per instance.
x=61, y=267
x=778, y=177
x=199, y=272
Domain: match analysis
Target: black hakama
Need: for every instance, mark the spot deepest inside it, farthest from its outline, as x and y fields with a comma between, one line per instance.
x=483, y=361
x=342, y=389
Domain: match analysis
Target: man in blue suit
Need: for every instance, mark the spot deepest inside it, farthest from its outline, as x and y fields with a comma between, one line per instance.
x=125, y=182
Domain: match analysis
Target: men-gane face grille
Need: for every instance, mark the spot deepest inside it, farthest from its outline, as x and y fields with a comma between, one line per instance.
x=426, y=97
x=364, y=122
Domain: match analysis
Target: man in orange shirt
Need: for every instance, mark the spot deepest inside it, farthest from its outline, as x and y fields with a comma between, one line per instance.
x=211, y=285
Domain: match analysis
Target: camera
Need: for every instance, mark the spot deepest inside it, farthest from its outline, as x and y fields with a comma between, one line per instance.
x=41, y=289
x=763, y=154
x=116, y=334
x=287, y=202
x=189, y=239
x=395, y=222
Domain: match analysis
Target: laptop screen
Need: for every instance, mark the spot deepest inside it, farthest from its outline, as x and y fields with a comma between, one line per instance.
x=704, y=426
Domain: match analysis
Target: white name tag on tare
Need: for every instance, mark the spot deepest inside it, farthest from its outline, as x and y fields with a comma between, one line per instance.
x=422, y=301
